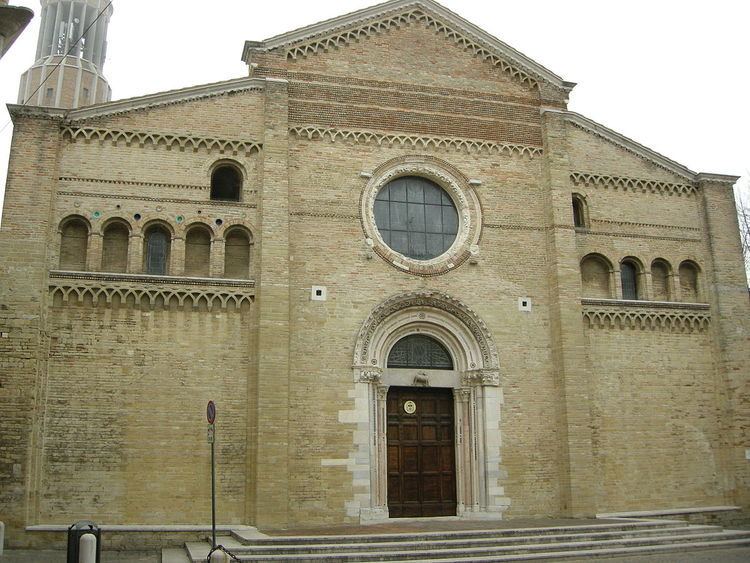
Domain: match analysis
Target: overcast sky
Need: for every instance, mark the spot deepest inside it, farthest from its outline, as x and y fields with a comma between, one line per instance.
x=672, y=75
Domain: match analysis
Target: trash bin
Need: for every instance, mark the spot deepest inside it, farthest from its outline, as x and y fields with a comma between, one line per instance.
x=74, y=536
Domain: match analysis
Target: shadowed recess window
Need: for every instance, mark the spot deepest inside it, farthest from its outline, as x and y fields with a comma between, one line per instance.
x=579, y=214
x=226, y=183
x=73, y=245
x=629, y=278
x=416, y=218
x=198, y=252
x=237, y=256
x=660, y=281
x=115, y=248
x=689, y=282
x=420, y=352
x=595, y=278
x=156, y=253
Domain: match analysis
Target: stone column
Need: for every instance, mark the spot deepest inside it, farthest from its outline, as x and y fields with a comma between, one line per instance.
x=273, y=302
x=464, y=474
x=381, y=437
x=574, y=422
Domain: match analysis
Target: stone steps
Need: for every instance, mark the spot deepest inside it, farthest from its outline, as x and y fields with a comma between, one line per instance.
x=482, y=545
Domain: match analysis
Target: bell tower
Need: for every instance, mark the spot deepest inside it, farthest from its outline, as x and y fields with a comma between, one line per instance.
x=70, y=55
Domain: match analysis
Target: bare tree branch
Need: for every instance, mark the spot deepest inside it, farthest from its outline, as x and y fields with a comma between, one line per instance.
x=742, y=197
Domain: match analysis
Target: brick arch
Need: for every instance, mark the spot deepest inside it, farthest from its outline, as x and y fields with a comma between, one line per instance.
x=182, y=229
x=246, y=226
x=74, y=217
x=109, y=218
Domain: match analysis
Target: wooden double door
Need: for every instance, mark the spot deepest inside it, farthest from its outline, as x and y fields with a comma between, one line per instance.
x=421, y=452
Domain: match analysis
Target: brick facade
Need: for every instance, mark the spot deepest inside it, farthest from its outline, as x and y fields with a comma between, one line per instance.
x=586, y=403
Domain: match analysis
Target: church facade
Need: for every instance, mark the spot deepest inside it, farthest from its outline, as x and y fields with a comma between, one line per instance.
x=413, y=282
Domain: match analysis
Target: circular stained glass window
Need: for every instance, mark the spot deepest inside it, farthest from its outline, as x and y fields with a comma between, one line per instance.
x=416, y=217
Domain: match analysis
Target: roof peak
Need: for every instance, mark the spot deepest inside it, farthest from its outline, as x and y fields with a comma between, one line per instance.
x=342, y=29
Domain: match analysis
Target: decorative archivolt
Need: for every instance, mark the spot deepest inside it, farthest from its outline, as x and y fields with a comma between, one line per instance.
x=452, y=310
x=671, y=321
x=634, y=184
x=367, y=29
x=168, y=141
x=312, y=132
x=139, y=296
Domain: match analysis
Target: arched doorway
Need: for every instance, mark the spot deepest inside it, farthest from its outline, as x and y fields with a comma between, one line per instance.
x=432, y=350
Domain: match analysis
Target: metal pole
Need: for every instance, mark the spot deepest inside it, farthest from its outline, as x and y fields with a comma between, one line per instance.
x=213, y=499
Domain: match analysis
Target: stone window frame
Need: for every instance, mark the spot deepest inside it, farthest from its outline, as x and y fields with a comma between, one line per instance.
x=237, y=167
x=638, y=279
x=61, y=226
x=669, y=279
x=458, y=188
x=604, y=261
x=699, y=284
x=579, y=203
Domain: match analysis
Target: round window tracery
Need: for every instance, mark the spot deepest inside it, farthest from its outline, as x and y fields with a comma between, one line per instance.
x=421, y=215
x=416, y=217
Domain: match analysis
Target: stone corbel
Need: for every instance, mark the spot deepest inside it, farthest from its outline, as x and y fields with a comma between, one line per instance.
x=368, y=374
x=481, y=377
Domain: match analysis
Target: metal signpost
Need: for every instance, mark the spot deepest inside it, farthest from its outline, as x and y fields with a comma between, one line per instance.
x=211, y=417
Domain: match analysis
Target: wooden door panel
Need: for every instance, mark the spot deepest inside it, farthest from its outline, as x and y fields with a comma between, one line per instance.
x=421, y=458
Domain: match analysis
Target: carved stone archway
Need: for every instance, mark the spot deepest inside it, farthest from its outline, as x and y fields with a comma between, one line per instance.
x=475, y=381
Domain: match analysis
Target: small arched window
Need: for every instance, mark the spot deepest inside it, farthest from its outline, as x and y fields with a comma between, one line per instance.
x=629, y=279
x=595, y=276
x=156, y=251
x=237, y=254
x=660, y=280
x=579, y=212
x=226, y=183
x=115, y=248
x=689, y=282
x=198, y=252
x=419, y=351
x=74, y=242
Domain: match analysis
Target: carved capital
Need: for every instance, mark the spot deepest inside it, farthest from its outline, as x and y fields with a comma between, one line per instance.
x=481, y=377
x=382, y=392
x=463, y=394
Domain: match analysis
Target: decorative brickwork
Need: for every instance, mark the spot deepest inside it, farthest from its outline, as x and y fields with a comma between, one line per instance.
x=646, y=316
x=416, y=141
x=141, y=138
x=632, y=184
x=335, y=40
x=110, y=290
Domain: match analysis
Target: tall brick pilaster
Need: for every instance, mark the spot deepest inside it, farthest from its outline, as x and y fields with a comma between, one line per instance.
x=25, y=242
x=272, y=440
x=567, y=338
x=728, y=293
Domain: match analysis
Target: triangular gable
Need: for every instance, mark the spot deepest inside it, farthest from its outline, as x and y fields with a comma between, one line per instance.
x=345, y=29
x=627, y=144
